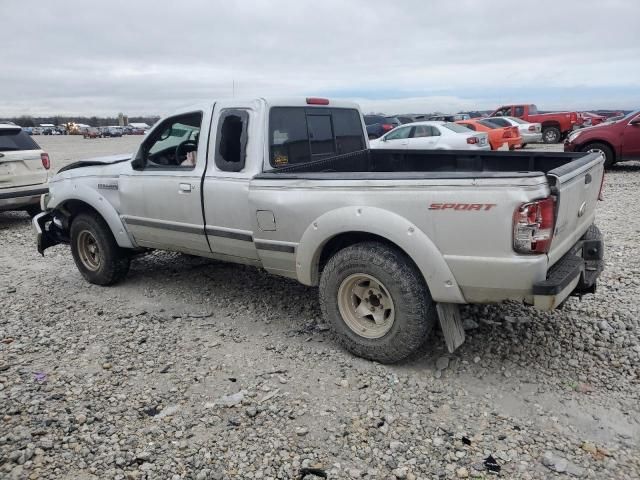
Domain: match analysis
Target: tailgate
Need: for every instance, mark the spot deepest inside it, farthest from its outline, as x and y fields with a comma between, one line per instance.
x=576, y=186
x=21, y=168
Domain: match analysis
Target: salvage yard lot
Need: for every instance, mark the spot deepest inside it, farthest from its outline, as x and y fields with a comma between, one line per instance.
x=135, y=380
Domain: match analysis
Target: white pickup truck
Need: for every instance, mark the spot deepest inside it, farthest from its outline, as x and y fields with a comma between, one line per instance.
x=395, y=239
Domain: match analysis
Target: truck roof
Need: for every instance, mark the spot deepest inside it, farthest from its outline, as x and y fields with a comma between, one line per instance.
x=272, y=102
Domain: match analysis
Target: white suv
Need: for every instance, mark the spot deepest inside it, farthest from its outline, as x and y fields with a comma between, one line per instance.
x=23, y=171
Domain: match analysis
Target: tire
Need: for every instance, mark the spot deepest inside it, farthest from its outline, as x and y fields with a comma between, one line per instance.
x=95, y=251
x=609, y=158
x=397, y=283
x=551, y=135
x=33, y=210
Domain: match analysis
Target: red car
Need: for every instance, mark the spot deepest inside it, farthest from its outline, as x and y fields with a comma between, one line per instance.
x=554, y=125
x=617, y=141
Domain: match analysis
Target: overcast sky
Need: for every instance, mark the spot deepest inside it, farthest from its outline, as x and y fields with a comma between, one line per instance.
x=149, y=57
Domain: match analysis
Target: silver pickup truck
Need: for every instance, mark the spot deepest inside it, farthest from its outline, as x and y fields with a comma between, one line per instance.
x=395, y=239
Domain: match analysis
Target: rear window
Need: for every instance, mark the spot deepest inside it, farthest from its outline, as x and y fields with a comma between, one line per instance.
x=489, y=124
x=13, y=139
x=533, y=110
x=500, y=121
x=455, y=127
x=299, y=134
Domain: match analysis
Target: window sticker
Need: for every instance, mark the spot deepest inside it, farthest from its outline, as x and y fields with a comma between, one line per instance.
x=280, y=159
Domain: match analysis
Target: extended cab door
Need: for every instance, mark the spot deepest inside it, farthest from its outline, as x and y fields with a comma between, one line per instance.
x=236, y=136
x=161, y=196
x=631, y=139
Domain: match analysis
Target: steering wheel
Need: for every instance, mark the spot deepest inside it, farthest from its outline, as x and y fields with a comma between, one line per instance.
x=184, y=144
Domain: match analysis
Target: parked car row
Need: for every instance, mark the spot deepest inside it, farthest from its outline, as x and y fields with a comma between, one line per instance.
x=86, y=132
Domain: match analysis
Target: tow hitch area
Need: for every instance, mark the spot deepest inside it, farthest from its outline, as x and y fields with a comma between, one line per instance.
x=49, y=231
x=574, y=274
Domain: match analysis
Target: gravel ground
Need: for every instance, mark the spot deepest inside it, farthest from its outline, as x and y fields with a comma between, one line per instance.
x=193, y=368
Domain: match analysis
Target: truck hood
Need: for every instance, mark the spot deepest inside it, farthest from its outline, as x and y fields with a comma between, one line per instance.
x=97, y=161
x=112, y=165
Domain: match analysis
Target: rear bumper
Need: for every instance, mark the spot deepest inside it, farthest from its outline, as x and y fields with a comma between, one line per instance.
x=19, y=198
x=576, y=273
x=531, y=137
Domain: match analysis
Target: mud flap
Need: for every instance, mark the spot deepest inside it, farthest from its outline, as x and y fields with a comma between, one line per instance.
x=451, y=324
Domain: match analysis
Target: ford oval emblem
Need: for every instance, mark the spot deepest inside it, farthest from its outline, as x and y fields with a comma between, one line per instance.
x=582, y=208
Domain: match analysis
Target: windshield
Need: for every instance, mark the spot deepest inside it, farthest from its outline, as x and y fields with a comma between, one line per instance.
x=455, y=127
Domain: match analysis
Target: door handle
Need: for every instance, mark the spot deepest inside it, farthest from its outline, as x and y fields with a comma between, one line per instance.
x=185, y=188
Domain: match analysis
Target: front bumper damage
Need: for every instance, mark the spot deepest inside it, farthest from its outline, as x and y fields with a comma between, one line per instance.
x=49, y=230
x=576, y=273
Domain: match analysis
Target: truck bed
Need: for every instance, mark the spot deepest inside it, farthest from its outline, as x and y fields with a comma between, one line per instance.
x=407, y=164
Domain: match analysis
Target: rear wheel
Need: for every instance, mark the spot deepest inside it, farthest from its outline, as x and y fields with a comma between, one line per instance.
x=377, y=302
x=551, y=135
x=97, y=255
x=603, y=149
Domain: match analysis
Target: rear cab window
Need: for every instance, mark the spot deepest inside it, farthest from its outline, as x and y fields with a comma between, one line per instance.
x=14, y=139
x=301, y=134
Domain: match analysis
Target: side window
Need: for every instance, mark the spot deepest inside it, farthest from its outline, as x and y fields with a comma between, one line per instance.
x=231, y=140
x=500, y=121
x=470, y=126
x=174, y=144
x=518, y=111
x=399, y=133
x=421, y=131
x=434, y=131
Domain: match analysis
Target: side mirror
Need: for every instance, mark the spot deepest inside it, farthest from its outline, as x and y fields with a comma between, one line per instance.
x=384, y=139
x=137, y=163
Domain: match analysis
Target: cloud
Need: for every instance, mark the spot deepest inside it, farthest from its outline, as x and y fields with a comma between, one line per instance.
x=149, y=57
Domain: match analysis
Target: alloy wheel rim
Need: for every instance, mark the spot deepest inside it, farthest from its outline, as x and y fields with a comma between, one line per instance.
x=366, y=305
x=89, y=251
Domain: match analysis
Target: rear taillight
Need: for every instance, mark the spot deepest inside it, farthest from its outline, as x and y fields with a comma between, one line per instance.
x=533, y=225
x=506, y=133
x=46, y=163
x=532, y=128
x=472, y=140
x=387, y=126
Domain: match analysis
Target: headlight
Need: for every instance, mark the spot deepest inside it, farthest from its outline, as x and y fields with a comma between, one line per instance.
x=574, y=135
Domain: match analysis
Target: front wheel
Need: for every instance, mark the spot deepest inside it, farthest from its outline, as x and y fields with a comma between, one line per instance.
x=95, y=251
x=551, y=135
x=602, y=149
x=377, y=302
